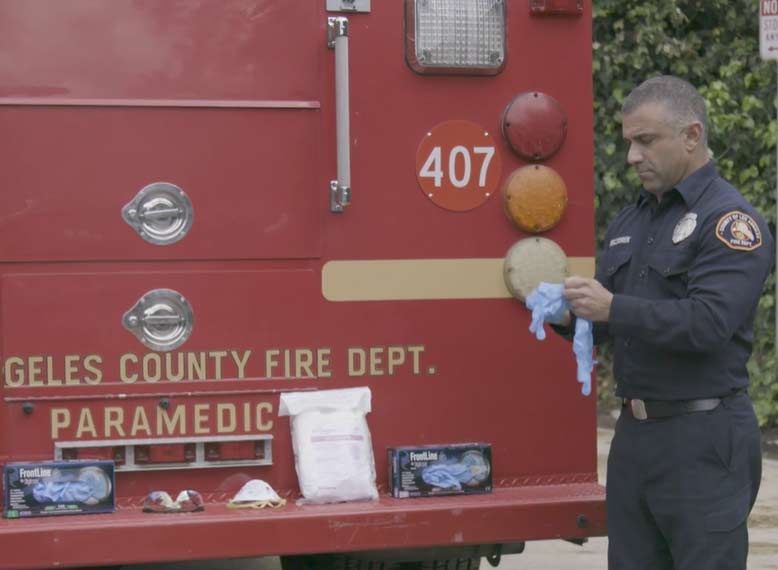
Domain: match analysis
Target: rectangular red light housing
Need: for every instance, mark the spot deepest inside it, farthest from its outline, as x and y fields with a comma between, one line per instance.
x=234, y=451
x=115, y=454
x=556, y=7
x=171, y=453
x=165, y=453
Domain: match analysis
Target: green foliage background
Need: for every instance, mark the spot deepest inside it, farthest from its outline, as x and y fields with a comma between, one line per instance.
x=714, y=44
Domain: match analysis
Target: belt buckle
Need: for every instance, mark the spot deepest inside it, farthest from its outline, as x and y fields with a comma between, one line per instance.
x=638, y=408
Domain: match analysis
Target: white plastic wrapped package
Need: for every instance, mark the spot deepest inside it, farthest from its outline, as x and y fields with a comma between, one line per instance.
x=332, y=447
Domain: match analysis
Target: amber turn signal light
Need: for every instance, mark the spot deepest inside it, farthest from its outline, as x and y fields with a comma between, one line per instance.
x=535, y=198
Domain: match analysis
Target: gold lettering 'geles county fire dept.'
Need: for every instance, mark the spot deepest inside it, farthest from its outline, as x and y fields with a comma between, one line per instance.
x=315, y=363
x=116, y=422
x=175, y=367
x=75, y=370
x=71, y=370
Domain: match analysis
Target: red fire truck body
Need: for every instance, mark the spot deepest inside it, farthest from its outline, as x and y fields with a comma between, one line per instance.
x=174, y=256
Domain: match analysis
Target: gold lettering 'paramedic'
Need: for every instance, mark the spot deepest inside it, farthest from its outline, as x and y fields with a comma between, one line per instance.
x=116, y=422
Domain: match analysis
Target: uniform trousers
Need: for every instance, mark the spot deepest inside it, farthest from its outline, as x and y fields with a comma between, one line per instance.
x=679, y=489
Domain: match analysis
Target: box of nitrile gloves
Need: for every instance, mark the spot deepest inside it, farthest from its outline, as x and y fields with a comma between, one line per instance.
x=58, y=488
x=433, y=470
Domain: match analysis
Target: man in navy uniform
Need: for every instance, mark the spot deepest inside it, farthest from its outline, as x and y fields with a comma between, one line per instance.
x=676, y=291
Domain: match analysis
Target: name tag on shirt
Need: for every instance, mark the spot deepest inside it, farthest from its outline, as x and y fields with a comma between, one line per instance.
x=620, y=240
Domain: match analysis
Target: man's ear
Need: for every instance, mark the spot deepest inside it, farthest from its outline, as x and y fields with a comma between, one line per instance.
x=692, y=136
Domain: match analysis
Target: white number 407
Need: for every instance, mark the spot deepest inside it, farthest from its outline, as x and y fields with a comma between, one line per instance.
x=459, y=161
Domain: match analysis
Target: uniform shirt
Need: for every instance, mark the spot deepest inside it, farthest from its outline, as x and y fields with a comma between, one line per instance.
x=686, y=274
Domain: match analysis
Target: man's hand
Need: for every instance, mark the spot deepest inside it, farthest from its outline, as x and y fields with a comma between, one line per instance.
x=588, y=298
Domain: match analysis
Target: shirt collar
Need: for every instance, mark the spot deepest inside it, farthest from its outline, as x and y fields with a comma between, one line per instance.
x=694, y=185
x=690, y=188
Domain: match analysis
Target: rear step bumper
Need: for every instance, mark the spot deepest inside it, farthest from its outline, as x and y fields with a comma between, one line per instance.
x=507, y=515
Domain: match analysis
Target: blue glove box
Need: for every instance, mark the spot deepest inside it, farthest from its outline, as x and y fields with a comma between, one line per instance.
x=58, y=488
x=434, y=470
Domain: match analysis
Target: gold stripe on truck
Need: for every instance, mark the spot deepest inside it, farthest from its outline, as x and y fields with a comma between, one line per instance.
x=423, y=279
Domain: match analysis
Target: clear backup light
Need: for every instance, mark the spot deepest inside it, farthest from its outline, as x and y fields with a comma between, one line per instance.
x=455, y=36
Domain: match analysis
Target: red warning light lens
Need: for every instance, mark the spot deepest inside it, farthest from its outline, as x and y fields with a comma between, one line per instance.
x=534, y=125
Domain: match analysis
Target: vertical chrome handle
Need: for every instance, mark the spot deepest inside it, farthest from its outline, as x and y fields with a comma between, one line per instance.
x=337, y=39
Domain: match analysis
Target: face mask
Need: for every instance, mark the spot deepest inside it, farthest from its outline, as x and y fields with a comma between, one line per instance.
x=256, y=494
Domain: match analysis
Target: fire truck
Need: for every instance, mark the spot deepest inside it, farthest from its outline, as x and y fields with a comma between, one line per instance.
x=205, y=204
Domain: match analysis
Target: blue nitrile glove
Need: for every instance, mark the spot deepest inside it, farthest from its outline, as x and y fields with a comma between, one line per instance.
x=442, y=476
x=547, y=304
x=50, y=491
x=583, y=344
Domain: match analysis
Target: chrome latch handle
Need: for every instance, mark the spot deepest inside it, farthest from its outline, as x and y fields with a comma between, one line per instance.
x=162, y=319
x=337, y=39
x=161, y=213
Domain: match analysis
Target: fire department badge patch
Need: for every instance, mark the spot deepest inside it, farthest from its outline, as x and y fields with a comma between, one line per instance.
x=684, y=228
x=739, y=231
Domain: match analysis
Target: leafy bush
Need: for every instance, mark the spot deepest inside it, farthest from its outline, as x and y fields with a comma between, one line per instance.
x=715, y=46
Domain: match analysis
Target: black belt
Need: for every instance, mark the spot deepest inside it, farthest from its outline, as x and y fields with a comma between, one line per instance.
x=652, y=409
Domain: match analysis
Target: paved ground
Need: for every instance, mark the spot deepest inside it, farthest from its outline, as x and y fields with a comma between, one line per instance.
x=558, y=555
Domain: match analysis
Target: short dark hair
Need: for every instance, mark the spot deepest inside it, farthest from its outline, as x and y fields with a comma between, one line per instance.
x=679, y=97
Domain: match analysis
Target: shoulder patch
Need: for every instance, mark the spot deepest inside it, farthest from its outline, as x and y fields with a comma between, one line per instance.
x=740, y=231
